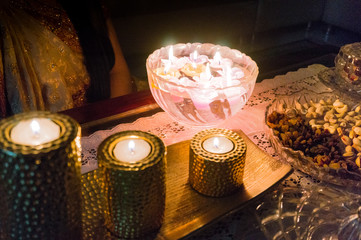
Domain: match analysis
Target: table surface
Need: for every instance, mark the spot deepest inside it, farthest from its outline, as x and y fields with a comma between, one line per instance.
x=139, y=111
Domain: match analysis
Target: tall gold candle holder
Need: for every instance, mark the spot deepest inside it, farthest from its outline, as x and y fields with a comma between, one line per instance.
x=93, y=206
x=216, y=168
x=40, y=182
x=134, y=185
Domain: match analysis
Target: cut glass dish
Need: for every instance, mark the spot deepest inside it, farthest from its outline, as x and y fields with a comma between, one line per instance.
x=346, y=178
x=310, y=214
x=196, y=89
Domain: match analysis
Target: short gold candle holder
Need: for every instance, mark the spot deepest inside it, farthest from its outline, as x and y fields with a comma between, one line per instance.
x=216, y=162
x=134, y=185
x=40, y=184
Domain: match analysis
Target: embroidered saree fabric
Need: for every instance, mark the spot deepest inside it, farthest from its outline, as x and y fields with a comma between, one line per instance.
x=38, y=71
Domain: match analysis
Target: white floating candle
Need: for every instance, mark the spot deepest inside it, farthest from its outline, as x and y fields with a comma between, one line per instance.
x=218, y=144
x=131, y=150
x=217, y=58
x=194, y=59
x=198, y=68
x=35, y=131
x=204, y=77
x=216, y=62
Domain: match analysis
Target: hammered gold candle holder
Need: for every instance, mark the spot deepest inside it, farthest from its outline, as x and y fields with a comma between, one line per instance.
x=40, y=185
x=134, y=192
x=93, y=206
x=216, y=174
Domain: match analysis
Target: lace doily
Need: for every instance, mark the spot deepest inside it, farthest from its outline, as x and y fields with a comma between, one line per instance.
x=250, y=120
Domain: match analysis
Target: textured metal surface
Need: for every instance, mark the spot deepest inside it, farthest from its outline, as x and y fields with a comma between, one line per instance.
x=40, y=185
x=215, y=174
x=134, y=192
x=93, y=206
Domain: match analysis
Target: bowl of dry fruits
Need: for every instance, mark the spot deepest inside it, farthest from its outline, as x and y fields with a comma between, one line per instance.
x=318, y=134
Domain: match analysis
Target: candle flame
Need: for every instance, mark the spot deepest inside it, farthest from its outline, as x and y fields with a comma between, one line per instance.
x=217, y=57
x=216, y=142
x=195, y=56
x=131, y=146
x=35, y=127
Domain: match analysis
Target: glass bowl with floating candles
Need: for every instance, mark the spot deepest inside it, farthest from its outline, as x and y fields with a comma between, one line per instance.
x=201, y=84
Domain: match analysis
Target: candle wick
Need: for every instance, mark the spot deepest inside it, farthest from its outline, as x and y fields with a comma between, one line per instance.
x=216, y=143
x=131, y=147
x=36, y=134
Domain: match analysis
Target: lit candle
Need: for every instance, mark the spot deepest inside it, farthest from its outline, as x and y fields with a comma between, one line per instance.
x=197, y=67
x=131, y=150
x=216, y=162
x=42, y=153
x=217, y=58
x=218, y=144
x=216, y=61
x=167, y=72
x=204, y=77
x=134, y=166
x=35, y=131
x=195, y=56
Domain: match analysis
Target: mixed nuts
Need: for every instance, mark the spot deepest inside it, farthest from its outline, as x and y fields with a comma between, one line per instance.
x=327, y=132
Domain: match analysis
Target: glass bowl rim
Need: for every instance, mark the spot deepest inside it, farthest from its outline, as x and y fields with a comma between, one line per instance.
x=252, y=78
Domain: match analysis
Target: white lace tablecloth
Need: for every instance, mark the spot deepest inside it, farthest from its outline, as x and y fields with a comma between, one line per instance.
x=250, y=120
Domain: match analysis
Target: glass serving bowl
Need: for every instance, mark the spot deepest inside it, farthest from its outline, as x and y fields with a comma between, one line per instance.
x=310, y=214
x=348, y=63
x=348, y=179
x=338, y=218
x=184, y=88
x=278, y=213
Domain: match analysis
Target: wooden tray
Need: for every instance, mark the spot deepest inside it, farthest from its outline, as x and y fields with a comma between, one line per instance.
x=186, y=210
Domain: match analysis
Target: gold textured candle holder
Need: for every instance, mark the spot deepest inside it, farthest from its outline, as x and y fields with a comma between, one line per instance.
x=93, y=206
x=134, y=192
x=40, y=185
x=215, y=174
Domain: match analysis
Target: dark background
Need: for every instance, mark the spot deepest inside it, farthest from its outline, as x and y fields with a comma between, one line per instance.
x=280, y=35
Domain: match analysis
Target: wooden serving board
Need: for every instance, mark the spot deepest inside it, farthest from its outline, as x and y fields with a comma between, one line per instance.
x=187, y=211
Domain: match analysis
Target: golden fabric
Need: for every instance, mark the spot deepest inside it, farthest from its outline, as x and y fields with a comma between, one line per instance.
x=51, y=15
x=41, y=70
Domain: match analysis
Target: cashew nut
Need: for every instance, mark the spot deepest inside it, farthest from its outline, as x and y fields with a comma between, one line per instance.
x=346, y=140
x=337, y=103
x=357, y=130
x=358, y=123
x=348, y=148
x=348, y=154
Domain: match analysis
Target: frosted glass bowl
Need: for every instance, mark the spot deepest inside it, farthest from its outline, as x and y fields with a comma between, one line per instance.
x=197, y=95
